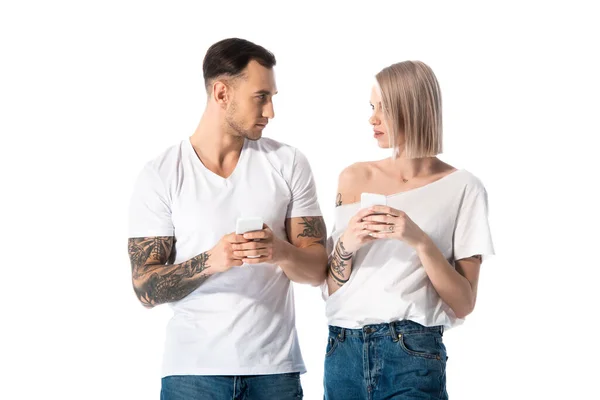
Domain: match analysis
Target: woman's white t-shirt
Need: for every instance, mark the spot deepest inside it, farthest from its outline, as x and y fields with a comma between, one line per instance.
x=388, y=281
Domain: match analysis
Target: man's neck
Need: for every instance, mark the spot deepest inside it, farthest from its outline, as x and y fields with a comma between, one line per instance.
x=215, y=139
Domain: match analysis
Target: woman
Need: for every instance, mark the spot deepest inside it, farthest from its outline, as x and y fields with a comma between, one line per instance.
x=402, y=273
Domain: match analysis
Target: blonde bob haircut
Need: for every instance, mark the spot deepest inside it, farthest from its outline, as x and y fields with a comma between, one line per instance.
x=412, y=104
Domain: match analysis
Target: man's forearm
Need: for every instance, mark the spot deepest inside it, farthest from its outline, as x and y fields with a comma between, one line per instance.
x=339, y=267
x=304, y=265
x=156, y=283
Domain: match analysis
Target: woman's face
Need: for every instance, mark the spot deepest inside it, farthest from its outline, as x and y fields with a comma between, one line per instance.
x=378, y=120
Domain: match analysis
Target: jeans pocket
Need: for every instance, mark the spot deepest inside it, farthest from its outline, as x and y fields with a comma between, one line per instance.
x=422, y=344
x=332, y=344
x=290, y=386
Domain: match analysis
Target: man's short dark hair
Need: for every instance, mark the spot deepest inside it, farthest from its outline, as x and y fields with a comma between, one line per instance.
x=229, y=57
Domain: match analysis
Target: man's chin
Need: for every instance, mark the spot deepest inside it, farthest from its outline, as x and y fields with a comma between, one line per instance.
x=253, y=136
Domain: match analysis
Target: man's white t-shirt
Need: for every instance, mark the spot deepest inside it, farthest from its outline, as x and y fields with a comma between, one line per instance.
x=388, y=282
x=240, y=322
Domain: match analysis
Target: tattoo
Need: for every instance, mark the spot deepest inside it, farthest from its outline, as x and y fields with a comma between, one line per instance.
x=338, y=200
x=338, y=262
x=155, y=279
x=314, y=227
x=342, y=251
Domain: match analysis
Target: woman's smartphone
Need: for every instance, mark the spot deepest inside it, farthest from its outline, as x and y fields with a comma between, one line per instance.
x=372, y=199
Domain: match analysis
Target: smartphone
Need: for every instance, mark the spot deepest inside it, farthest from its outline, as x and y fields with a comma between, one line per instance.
x=372, y=199
x=244, y=225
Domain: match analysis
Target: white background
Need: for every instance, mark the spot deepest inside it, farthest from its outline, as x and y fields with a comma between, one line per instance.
x=90, y=91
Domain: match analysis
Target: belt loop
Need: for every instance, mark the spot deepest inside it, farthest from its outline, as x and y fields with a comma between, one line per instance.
x=342, y=334
x=392, y=326
x=442, y=330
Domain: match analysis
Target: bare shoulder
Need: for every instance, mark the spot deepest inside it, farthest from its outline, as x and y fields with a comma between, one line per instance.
x=351, y=182
x=358, y=171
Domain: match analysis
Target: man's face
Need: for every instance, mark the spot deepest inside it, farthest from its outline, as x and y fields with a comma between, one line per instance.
x=251, y=105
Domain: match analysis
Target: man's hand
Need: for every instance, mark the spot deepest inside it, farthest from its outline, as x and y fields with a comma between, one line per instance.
x=223, y=257
x=260, y=247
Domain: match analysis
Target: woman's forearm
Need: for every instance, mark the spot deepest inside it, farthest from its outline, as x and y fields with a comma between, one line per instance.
x=339, y=267
x=452, y=287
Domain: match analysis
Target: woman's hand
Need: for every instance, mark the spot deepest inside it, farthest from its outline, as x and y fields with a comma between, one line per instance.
x=356, y=234
x=388, y=223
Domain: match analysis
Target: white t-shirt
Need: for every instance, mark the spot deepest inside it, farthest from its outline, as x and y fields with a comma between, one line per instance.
x=388, y=281
x=240, y=322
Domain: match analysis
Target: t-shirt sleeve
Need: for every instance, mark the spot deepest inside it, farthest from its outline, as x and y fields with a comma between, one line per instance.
x=150, y=208
x=472, y=234
x=304, y=193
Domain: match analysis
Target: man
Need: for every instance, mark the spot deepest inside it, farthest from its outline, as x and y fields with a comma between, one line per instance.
x=232, y=335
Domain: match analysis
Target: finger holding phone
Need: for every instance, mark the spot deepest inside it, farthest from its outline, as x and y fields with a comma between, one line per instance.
x=262, y=244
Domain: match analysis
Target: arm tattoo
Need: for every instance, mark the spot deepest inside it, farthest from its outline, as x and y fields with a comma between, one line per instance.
x=155, y=279
x=338, y=262
x=338, y=200
x=314, y=227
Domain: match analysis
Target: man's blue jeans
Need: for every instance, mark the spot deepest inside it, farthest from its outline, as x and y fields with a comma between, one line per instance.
x=254, y=387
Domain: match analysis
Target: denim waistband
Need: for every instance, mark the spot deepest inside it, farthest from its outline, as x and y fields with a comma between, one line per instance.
x=387, y=329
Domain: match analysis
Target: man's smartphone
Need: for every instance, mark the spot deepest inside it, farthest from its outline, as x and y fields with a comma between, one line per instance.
x=245, y=225
x=250, y=224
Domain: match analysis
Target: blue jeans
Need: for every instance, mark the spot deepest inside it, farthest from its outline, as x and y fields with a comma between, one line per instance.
x=252, y=387
x=401, y=361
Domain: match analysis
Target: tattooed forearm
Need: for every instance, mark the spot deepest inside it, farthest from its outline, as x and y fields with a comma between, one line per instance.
x=314, y=227
x=335, y=266
x=154, y=281
x=338, y=200
x=339, y=260
x=165, y=285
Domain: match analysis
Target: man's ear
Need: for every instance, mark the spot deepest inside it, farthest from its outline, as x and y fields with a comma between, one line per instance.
x=221, y=93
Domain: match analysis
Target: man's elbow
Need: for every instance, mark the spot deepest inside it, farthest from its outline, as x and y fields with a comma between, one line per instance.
x=142, y=297
x=317, y=275
x=320, y=275
x=318, y=281
x=309, y=280
x=315, y=278
x=146, y=304
x=320, y=278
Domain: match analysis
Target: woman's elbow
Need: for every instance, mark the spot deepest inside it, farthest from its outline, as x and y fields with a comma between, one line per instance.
x=465, y=310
